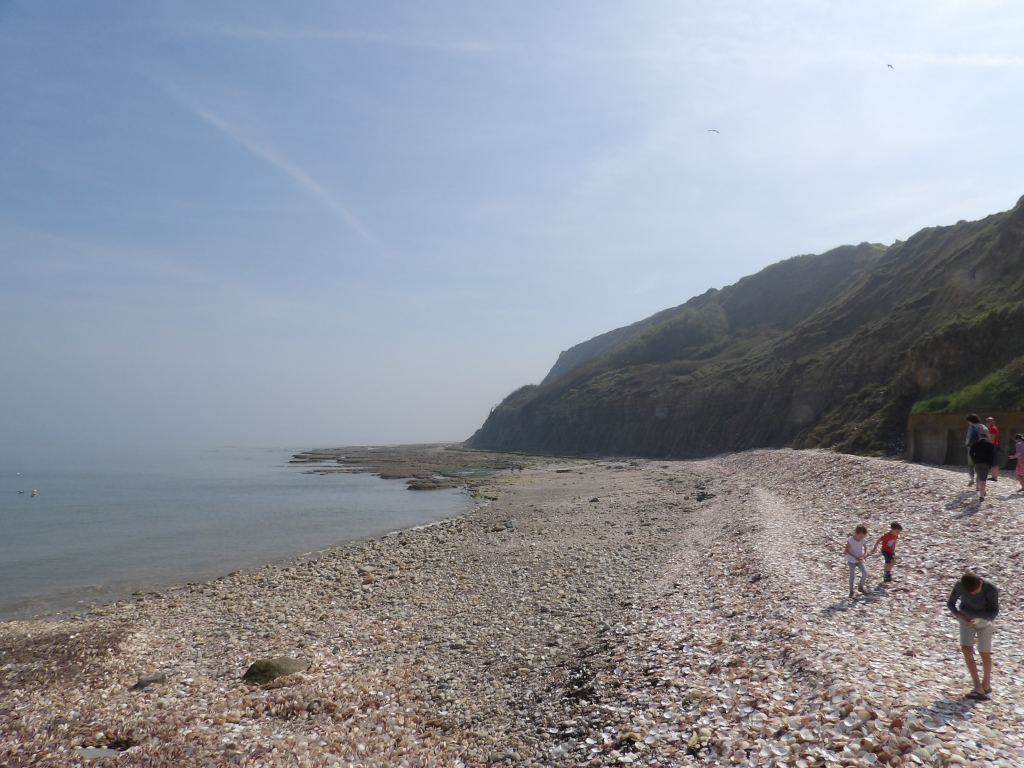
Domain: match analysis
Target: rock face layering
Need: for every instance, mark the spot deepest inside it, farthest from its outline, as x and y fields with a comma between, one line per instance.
x=635, y=612
x=830, y=350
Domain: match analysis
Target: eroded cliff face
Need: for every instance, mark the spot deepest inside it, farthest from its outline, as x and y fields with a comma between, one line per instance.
x=829, y=350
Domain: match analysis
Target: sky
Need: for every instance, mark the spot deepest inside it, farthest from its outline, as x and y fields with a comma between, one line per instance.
x=330, y=223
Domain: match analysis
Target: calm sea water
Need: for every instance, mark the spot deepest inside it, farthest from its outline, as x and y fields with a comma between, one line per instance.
x=95, y=533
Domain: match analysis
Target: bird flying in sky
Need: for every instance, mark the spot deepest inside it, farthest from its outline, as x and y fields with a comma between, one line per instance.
x=713, y=130
x=890, y=66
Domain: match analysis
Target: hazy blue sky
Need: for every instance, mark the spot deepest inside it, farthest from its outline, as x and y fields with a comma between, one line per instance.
x=327, y=223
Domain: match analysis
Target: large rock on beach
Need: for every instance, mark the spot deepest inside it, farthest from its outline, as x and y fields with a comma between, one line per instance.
x=147, y=680
x=262, y=671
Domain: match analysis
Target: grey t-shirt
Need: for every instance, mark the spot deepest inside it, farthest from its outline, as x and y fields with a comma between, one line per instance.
x=983, y=605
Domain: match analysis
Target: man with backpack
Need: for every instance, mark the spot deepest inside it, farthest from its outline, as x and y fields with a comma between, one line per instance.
x=973, y=430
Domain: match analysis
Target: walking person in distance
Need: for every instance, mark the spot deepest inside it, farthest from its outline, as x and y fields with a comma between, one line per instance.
x=993, y=431
x=983, y=454
x=973, y=425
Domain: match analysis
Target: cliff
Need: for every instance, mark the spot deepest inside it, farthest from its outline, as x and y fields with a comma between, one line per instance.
x=828, y=350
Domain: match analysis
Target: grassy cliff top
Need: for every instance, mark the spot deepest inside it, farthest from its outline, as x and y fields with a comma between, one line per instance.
x=1001, y=390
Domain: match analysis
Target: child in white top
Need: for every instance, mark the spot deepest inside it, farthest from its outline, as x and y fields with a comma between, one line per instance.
x=856, y=551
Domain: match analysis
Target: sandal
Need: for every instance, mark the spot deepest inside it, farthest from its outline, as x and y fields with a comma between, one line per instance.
x=977, y=696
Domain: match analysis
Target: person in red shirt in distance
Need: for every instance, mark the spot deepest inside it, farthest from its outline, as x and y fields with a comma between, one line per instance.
x=888, y=544
x=993, y=430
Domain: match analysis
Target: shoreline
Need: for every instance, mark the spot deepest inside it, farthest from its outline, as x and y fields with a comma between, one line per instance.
x=409, y=603
x=81, y=600
x=119, y=594
x=632, y=611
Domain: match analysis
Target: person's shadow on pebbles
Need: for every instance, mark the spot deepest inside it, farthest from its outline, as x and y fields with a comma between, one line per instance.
x=846, y=604
x=946, y=710
x=965, y=502
x=840, y=606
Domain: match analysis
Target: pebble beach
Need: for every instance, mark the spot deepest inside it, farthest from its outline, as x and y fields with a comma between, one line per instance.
x=583, y=613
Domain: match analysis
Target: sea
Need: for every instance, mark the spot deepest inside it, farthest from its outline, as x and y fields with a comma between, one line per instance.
x=95, y=532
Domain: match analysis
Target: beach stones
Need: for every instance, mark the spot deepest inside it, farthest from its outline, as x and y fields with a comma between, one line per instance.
x=744, y=650
x=262, y=671
x=720, y=634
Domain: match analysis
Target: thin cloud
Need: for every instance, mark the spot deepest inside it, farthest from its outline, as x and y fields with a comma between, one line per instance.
x=38, y=257
x=440, y=45
x=274, y=158
x=45, y=253
x=975, y=60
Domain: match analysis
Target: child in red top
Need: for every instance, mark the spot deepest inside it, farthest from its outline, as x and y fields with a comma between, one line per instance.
x=888, y=544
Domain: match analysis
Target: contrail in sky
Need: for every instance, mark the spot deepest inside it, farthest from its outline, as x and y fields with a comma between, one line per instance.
x=270, y=155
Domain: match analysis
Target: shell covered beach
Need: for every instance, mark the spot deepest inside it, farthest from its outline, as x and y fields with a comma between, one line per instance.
x=584, y=613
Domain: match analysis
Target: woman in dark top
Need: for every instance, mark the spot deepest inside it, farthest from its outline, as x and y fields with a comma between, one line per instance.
x=983, y=454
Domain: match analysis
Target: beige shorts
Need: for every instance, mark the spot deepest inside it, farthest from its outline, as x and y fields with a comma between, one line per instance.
x=980, y=631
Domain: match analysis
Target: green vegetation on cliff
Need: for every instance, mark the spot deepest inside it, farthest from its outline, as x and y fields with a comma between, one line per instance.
x=828, y=350
x=1001, y=390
